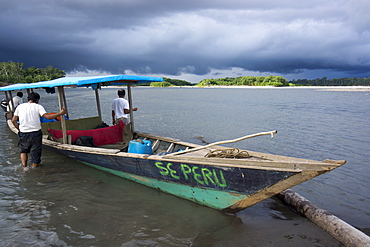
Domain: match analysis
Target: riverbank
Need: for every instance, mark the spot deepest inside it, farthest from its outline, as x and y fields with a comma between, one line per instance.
x=325, y=88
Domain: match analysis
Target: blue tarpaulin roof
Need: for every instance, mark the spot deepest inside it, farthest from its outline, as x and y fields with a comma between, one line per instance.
x=83, y=81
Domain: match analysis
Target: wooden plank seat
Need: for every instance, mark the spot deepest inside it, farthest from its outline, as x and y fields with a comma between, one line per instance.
x=101, y=136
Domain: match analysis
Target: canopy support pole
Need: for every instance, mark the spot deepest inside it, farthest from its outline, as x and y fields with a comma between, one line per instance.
x=130, y=103
x=63, y=120
x=98, y=103
x=7, y=98
x=11, y=107
x=65, y=103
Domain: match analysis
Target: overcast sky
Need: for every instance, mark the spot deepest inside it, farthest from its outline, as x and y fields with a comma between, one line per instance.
x=190, y=39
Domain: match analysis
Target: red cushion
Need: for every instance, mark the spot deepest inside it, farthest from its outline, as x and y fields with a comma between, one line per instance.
x=102, y=136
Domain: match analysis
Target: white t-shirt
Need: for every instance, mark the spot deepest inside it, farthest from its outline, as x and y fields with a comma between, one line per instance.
x=16, y=100
x=29, y=116
x=118, y=106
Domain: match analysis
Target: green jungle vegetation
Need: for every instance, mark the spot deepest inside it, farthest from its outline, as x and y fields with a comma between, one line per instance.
x=276, y=81
x=168, y=82
x=11, y=72
x=332, y=82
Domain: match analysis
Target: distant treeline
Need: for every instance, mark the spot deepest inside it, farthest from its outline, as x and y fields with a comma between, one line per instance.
x=168, y=82
x=276, y=81
x=11, y=72
x=332, y=82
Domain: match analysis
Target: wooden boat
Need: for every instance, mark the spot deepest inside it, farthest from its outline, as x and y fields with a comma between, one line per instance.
x=212, y=175
x=4, y=104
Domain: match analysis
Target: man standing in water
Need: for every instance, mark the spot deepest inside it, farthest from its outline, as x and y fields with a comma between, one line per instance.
x=17, y=100
x=30, y=134
x=121, y=108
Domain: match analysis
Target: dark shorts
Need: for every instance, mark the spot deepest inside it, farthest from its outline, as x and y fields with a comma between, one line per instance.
x=31, y=142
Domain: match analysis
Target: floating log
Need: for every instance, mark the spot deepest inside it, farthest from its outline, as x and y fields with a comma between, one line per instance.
x=340, y=230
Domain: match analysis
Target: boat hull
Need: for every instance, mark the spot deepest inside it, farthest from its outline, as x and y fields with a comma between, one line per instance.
x=215, y=186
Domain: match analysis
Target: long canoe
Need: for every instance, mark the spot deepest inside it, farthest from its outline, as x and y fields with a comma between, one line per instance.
x=219, y=177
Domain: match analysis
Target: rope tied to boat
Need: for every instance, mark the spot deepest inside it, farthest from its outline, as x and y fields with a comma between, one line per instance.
x=231, y=153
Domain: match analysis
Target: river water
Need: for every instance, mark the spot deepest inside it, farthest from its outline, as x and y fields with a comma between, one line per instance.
x=65, y=203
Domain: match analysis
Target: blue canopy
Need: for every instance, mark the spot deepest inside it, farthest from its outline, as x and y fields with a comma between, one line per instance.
x=85, y=81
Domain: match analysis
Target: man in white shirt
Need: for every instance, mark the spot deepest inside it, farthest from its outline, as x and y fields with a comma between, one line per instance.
x=121, y=108
x=30, y=134
x=17, y=100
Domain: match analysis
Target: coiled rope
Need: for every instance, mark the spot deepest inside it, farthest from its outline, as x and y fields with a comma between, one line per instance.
x=233, y=153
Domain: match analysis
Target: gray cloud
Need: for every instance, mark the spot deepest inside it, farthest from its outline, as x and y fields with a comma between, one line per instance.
x=191, y=37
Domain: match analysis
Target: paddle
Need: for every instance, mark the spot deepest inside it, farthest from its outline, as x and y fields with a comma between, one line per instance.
x=224, y=142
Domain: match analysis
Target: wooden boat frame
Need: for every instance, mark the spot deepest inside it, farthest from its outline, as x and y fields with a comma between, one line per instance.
x=176, y=167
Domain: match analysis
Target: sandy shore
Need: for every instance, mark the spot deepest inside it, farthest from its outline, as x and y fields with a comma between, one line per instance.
x=324, y=88
x=354, y=88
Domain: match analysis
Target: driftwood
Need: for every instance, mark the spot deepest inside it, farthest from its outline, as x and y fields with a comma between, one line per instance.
x=340, y=230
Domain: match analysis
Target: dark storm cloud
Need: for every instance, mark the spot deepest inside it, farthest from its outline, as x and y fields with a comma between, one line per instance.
x=172, y=37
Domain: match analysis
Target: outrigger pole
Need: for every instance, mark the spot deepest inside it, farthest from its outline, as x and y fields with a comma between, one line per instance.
x=223, y=142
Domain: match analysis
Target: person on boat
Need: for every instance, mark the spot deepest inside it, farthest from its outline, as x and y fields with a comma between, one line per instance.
x=30, y=134
x=121, y=108
x=17, y=100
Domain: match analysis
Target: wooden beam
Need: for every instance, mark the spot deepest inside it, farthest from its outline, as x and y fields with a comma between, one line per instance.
x=224, y=142
x=63, y=120
x=130, y=103
x=65, y=103
x=156, y=145
x=11, y=106
x=171, y=147
x=98, y=102
x=7, y=99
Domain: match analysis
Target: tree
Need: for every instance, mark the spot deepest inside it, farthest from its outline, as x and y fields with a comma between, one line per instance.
x=276, y=81
x=53, y=73
x=207, y=82
x=11, y=72
x=160, y=84
x=177, y=82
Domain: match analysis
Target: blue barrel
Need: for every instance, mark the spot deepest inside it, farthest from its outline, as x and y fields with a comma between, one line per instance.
x=140, y=147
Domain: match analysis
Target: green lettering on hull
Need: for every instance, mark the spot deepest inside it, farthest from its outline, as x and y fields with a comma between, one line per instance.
x=203, y=176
